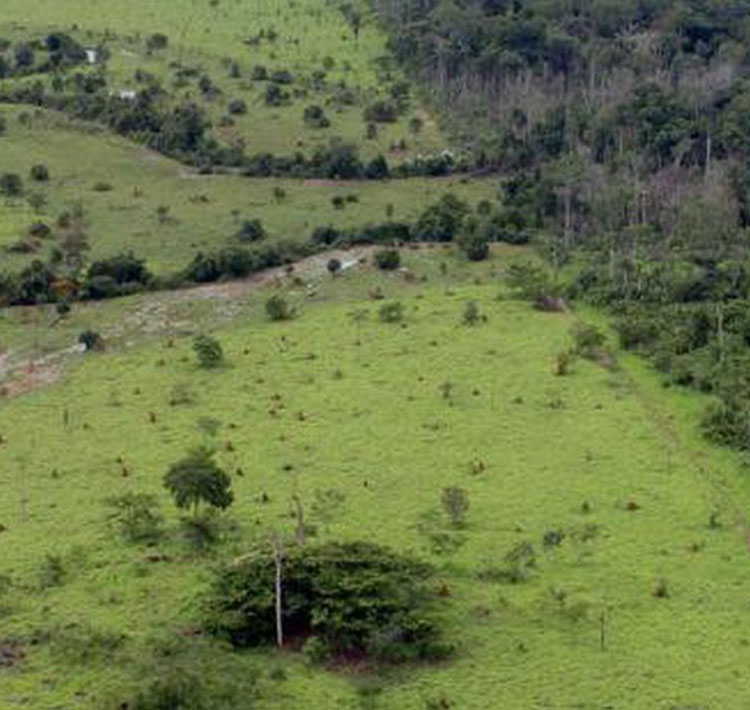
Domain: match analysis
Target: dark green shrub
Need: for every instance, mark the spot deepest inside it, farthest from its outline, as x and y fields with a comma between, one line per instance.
x=278, y=308
x=101, y=287
x=275, y=96
x=476, y=247
x=381, y=112
x=208, y=350
x=589, y=340
x=531, y=281
x=471, y=314
x=259, y=73
x=11, y=184
x=315, y=117
x=442, y=221
x=40, y=230
x=281, y=76
x=91, y=340
x=325, y=235
x=40, y=173
x=237, y=107
x=391, y=312
x=388, y=259
x=157, y=41
x=251, y=231
x=122, y=269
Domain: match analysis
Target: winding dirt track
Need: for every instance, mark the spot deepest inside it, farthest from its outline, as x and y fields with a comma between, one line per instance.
x=20, y=374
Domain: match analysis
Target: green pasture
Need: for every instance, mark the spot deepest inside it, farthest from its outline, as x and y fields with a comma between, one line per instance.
x=204, y=212
x=608, y=458
x=208, y=37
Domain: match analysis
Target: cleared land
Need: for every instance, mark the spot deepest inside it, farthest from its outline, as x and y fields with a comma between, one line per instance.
x=204, y=212
x=377, y=427
x=206, y=39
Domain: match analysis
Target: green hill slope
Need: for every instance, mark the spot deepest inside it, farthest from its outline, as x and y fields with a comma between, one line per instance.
x=632, y=520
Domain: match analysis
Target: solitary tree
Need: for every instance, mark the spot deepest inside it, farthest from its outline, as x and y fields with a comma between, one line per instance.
x=197, y=479
x=333, y=266
x=208, y=351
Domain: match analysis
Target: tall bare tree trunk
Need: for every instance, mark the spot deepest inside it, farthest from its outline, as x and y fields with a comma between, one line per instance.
x=278, y=557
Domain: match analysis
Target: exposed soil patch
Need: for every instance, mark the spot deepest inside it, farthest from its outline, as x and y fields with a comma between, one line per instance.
x=159, y=313
x=11, y=653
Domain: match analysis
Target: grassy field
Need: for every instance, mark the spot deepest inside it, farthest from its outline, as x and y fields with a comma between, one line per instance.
x=609, y=458
x=207, y=37
x=205, y=212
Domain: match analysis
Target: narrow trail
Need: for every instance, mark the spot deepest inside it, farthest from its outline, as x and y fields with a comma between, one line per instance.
x=21, y=373
x=696, y=458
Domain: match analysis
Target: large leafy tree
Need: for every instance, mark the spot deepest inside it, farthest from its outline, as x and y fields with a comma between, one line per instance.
x=197, y=480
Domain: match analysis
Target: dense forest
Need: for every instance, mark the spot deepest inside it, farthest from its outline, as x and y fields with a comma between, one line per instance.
x=622, y=131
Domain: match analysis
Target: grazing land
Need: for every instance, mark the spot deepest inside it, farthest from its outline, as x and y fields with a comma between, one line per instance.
x=205, y=212
x=606, y=459
x=316, y=381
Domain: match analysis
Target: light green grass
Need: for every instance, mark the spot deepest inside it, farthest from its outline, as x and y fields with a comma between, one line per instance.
x=617, y=437
x=205, y=211
x=202, y=35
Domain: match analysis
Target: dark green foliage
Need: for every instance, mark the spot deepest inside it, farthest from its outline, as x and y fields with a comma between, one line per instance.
x=388, y=259
x=381, y=112
x=442, y=221
x=377, y=169
x=123, y=269
x=471, y=314
x=136, y=516
x=251, y=231
x=208, y=350
x=237, y=107
x=475, y=246
x=11, y=184
x=325, y=235
x=315, y=117
x=157, y=41
x=236, y=262
x=197, y=480
x=531, y=281
x=3, y=121
x=353, y=598
x=40, y=230
x=91, y=340
x=281, y=76
x=39, y=172
x=275, y=95
x=392, y=312
x=589, y=340
x=278, y=308
x=259, y=73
